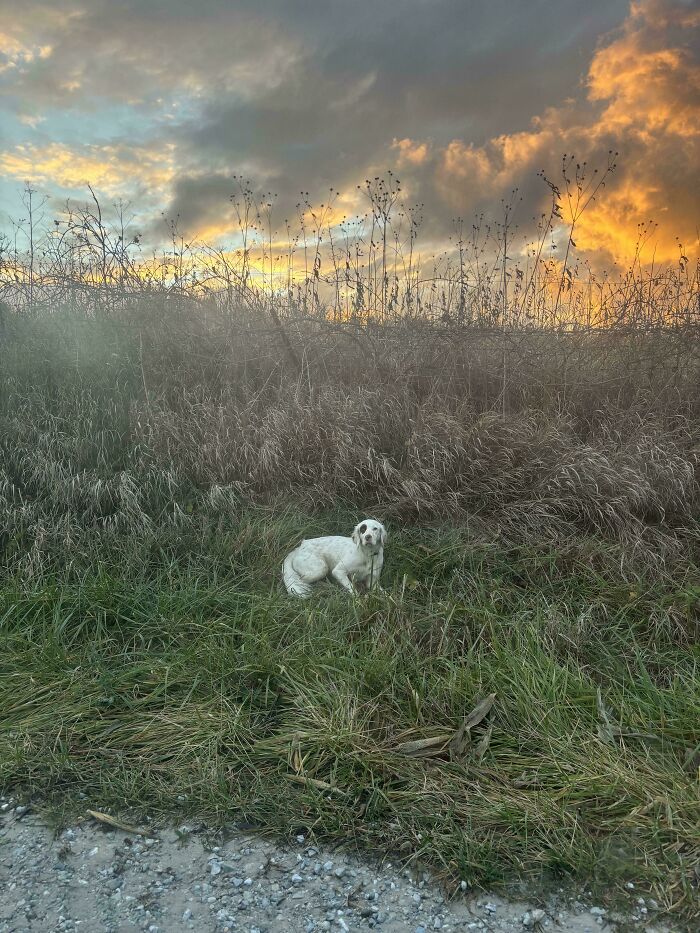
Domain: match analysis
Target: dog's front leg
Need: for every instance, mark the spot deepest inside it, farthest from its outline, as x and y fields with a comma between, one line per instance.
x=340, y=574
x=373, y=581
x=363, y=586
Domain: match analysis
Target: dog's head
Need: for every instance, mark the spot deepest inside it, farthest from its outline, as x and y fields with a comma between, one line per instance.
x=369, y=533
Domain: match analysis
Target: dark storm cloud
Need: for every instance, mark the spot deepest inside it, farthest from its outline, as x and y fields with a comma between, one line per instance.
x=372, y=73
x=304, y=95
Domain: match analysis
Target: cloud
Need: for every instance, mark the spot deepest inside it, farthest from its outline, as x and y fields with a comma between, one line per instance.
x=171, y=101
x=643, y=100
x=358, y=101
x=112, y=169
x=16, y=56
x=648, y=86
x=31, y=120
x=417, y=71
x=411, y=152
x=139, y=53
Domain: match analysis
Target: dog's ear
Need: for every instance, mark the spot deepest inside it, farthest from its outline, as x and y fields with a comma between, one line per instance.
x=356, y=535
x=384, y=535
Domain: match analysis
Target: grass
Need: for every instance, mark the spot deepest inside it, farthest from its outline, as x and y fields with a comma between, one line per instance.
x=224, y=698
x=543, y=551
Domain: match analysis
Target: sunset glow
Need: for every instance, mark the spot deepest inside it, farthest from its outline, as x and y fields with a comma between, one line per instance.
x=163, y=109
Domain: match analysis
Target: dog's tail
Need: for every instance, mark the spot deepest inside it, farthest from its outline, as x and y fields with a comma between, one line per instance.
x=294, y=583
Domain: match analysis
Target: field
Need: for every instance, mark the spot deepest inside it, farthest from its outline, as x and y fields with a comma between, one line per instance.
x=524, y=700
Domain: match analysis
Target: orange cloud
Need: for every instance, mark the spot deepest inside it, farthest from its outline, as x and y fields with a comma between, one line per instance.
x=410, y=152
x=643, y=100
x=650, y=88
x=493, y=167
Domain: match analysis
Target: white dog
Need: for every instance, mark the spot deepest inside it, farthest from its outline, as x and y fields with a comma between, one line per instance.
x=350, y=561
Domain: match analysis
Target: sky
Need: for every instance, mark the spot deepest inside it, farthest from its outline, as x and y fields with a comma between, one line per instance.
x=162, y=103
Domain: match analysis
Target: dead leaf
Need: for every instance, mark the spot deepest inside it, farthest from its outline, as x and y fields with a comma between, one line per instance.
x=462, y=738
x=480, y=711
x=484, y=743
x=423, y=748
x=117, y=824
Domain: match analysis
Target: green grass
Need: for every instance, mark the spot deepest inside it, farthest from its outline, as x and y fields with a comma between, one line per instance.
x=189, y=674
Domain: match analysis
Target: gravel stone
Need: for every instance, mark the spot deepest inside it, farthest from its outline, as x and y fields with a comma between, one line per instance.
x=96, y=879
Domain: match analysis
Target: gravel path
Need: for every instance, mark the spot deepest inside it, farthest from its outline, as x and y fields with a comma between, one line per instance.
x=92, y=877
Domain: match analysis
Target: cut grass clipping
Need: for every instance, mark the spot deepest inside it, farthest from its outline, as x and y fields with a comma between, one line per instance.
x=499, y=714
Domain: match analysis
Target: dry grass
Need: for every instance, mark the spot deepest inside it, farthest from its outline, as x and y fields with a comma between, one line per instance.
x=112, y=429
